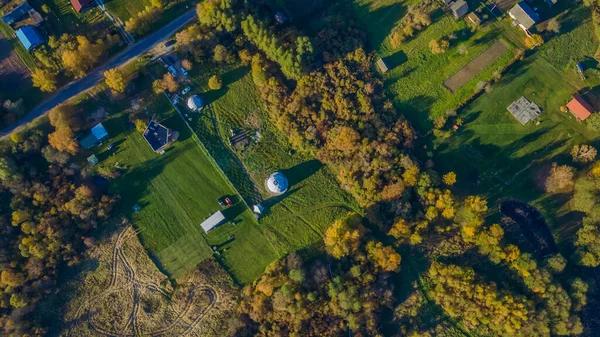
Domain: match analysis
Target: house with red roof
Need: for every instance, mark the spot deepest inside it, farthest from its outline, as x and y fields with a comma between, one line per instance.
x=580, y=108
x=82, y=5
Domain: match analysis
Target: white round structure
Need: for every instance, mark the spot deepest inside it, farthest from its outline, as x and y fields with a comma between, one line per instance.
x=195, y=103
x=277, y=183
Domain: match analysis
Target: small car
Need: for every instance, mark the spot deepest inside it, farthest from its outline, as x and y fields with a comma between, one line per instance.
x=186, y=90
x=175, y=100
x=169, y=43
x=110, y=147
x=183, y=71
x=172, y=70
x=225, y=201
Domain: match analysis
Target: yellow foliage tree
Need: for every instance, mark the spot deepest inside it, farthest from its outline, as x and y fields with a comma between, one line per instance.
x=115, y=79
x=533, y=41
x=383, y=256
x=44, y=79
x=343, y=236
x=450, y=178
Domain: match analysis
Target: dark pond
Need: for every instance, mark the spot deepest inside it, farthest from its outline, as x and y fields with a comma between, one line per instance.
x=531, y=224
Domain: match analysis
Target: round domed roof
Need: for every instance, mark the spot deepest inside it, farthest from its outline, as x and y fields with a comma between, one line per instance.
x=277, y=183
x=195, y=103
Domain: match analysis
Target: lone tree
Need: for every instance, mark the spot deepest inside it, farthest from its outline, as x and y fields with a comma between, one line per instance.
x=554, y=25
x=115, y=79
x=215, y=83
x=560, y=177
x=583, y=154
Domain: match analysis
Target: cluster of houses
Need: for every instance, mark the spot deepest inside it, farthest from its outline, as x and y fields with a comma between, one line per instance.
x=525, y=111
x=26, y=21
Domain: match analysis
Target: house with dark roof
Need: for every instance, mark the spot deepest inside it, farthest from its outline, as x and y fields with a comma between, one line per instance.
x=158, y=136
x=17, y=13
x=580, y=107
x=29, y=37
x=524, y=16
x=459, y=8
x=82, y=5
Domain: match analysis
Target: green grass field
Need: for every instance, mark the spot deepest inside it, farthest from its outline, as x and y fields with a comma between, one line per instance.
x=314, y=200
x=176, y=192
x=492, y=153
x=416, y=76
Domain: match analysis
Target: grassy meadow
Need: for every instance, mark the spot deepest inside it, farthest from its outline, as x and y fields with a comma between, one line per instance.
x=314, y=200
x=492, y=154
x=176, y=192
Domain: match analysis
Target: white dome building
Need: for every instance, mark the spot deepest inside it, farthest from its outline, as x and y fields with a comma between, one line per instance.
x=195, y=103
x=277, y=183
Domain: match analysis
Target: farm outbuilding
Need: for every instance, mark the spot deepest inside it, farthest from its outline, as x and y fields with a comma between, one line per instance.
x=29, y=37
x=82, y=5
x=17, y=13
x=474, y=18
x=459, y=8
x=524, y=110
x=213, y=221
x=524, y=16
x=382, y=65
x=96, y=135
x=580, y=107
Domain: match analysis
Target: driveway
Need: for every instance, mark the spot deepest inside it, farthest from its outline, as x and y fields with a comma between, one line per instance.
x=76, y=87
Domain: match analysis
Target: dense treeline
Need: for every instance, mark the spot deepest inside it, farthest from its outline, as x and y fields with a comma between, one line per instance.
x=293, y=59
x=338, y=111
x=48, y=208
x=328, y=296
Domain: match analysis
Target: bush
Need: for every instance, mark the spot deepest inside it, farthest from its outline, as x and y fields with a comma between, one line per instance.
x=215, y=83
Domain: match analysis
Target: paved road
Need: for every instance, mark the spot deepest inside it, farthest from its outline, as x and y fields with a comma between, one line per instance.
x=76, y=87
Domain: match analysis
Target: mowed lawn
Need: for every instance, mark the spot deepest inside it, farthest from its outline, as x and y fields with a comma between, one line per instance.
x=176, y=192
x=314, y=200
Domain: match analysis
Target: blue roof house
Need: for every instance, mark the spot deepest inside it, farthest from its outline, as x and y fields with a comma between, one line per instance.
x=29, y=37
x=17, y=13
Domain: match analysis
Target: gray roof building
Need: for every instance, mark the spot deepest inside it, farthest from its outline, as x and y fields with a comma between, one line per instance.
x=213, y=221
x=382, y=65
x=459, y=8
x=524, y=110
x=524, y=16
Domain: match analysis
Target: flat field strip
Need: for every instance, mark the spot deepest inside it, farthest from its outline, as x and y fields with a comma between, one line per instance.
x=471, y=70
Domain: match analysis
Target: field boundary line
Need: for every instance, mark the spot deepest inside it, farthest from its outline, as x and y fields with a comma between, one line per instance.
x=205, y=150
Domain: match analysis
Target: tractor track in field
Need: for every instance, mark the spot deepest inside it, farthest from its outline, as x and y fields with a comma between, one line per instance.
x=135, y=289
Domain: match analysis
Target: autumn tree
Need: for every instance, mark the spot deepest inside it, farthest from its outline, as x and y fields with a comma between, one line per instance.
x=344, y=235
x=533, y=41
x=82, y=55
x=215, y=83
x=559, y=178
x=115, y=79
x=142, y=22
x=44, y=79
x=384, y=257
x=583, y=154
x=449, y=178
x=554, y=25
x=186, y=64
x=439, y=46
